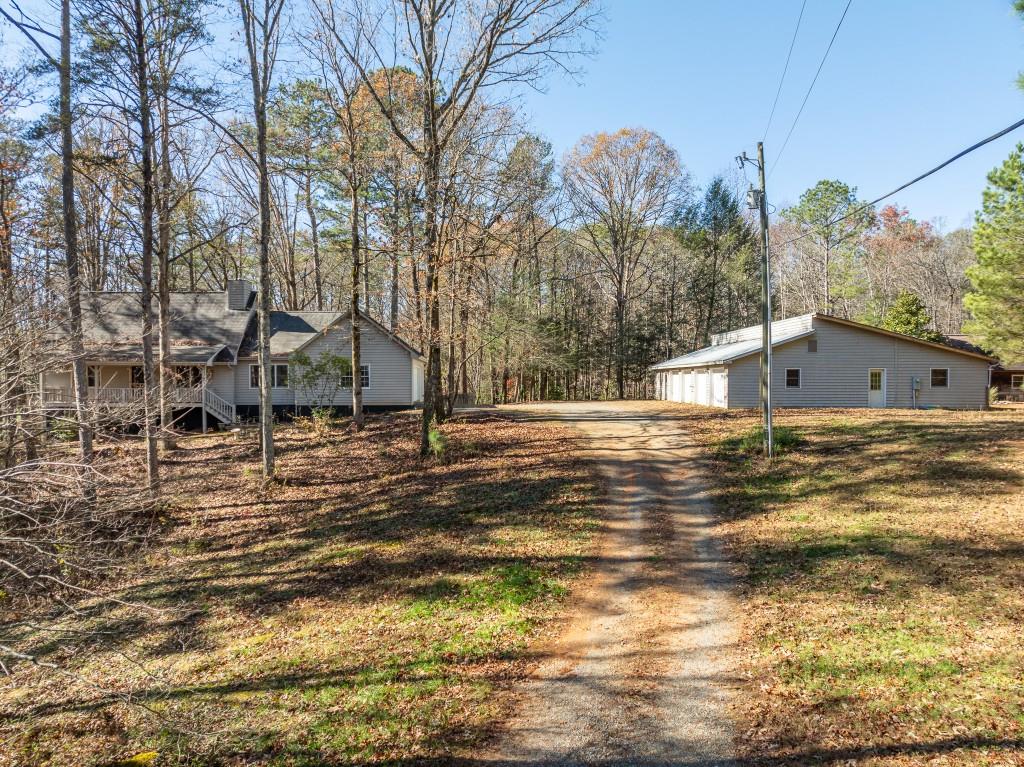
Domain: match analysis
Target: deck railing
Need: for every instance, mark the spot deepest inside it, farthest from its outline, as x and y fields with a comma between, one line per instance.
x=180, y=395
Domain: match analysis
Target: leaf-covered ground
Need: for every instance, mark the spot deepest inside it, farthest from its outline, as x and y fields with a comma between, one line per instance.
x=369, y=607
x=882, y=562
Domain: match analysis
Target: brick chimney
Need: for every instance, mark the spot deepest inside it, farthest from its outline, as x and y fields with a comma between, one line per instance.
x=237, y=293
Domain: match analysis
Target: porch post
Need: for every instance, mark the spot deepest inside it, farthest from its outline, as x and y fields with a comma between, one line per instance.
x=203, y=403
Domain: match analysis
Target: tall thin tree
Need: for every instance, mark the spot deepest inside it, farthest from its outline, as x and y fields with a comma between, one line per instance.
x=261, y=22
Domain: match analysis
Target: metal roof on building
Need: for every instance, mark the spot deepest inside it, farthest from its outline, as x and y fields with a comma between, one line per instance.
x=722, y=354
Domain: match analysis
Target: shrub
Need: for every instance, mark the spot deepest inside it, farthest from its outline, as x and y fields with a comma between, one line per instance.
x=783, y=437
x=437, y=442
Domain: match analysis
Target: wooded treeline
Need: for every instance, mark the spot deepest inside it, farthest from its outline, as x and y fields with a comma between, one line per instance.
x=381, y=169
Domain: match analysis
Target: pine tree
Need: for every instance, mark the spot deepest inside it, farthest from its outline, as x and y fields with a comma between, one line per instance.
x=997, y=301
x=909, y=315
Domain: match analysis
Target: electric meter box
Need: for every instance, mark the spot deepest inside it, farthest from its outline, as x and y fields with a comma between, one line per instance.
x=916, y=383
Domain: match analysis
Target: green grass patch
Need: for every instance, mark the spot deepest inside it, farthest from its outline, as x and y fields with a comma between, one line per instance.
x=882, y=565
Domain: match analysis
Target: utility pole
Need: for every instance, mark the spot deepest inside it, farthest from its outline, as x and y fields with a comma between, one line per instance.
x=756, y=198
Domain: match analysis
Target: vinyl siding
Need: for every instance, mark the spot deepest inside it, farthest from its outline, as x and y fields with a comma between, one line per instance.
x=110, y=377
x=391, y=372
x=221, y=380
x=246, y=395
x=837, y=374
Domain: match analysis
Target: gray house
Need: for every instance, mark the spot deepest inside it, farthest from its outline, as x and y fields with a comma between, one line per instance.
x=824, y=361
x=213, y=351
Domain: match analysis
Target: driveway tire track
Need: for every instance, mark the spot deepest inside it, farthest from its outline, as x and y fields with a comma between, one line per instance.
x=641, y=674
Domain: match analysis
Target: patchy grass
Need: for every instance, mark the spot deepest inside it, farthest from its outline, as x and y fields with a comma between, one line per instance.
x=368, y=607
x=883, y=572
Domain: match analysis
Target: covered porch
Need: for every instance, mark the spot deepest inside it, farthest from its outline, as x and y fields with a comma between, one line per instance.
x=118, y=386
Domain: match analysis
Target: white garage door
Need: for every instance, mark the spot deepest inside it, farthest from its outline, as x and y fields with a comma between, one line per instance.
x=703, y=386
x=676, y=387
x=720, y=387
x=688, y=388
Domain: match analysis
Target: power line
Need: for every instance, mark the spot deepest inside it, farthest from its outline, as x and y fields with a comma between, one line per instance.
x=811, y=88
x=785, y=69
x=926, y=174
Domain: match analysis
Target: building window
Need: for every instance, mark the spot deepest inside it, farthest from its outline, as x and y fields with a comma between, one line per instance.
x=875, y=380
x=364, y=378
x=188, y=376
x=91, y=376
x=136, y=377
x=812, y=345
x=940, y=378
x=278, y=376
x=1017, y=381
x=792, y=378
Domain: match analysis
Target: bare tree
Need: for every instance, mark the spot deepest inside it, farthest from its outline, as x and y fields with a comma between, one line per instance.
x=620, y=187
x=62, y=64
x=457, y=48
x=353, y=116
x=262, y=24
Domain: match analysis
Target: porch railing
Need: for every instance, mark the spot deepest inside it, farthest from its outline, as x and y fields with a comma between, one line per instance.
x=180, y=395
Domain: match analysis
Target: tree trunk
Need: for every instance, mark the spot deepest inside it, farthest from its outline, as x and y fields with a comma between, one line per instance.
x=431, y=393
x=164, y=279
x=393, y=316
x=74, y=286
x=259, y=72
x=151, y=400
x=620, y=344
x=357, y=383
x=314, y=233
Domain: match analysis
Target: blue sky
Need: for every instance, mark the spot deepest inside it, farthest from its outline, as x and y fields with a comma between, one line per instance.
x=908, y=83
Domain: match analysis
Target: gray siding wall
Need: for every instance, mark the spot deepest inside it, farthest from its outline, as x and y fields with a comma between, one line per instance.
x=836, y=375
x=245, y=395
x=391, y=376
x=221, y=379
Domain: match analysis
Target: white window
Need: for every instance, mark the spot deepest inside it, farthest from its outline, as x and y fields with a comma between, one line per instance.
x=940, y=378
x=1017, y=381
x=278, y=376
x=792, y=378
x=875, y=380
x=364, y=378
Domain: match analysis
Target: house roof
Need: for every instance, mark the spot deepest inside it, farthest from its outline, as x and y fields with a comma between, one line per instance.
x=783, y=332
x=292, y=331
x=722, y=354
x=964, y=341
x=202, y=327
x=289, y=331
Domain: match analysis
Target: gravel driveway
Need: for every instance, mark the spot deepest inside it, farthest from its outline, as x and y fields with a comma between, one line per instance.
x=642, y=674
